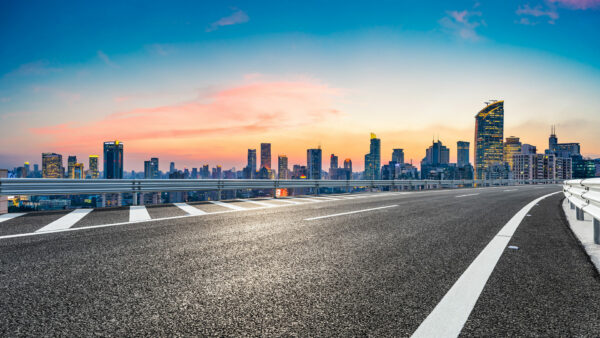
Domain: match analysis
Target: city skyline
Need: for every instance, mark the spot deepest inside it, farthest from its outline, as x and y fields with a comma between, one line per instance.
x=202, y=88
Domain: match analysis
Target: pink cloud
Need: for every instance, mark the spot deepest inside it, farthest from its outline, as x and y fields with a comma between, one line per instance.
x=235, y=18
x=251, y=108
x=537, y=12
x=578, y=4
x=462, y=24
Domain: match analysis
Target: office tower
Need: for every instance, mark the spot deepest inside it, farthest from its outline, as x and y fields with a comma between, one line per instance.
x=205, y=172
x=528, y=149
x=373, y=159
x=147, y=169
x=437, y=154
x=348, y=169
x=462, y=153
x=313, y=163
x=93, y=167
x=512, y=146
x=195, y=173
x=155, y=168
x=564, y=168
x=398, y=155
x=27, y=169
x=251, y=171
x=217, y=172
x=72, y=160
x=52, y=165
x=333, y=162
x=489, y=134
x=172, y=167
x=282, y=166
x=553, y=140
x=534, y=166
x=113, y=160
x=77, y=171
x=265, y=155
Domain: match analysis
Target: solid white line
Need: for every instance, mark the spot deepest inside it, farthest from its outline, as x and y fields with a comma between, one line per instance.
x=467, y=195
x=6, y=217
x=350, y=212
x=264, y=204
x=228, y=205
x=138, y=213
x=190, y=209
x=66, y=221
x=450, y=315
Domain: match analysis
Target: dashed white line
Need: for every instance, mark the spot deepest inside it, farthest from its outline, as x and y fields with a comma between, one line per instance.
x=507, y=190
x=6, y=217
x=350, y=212
x=467, y=195
x=450, y=315
x=264, y=204
x=138, y=213
x=228, y=205
x=190, y=209
x=66, y=221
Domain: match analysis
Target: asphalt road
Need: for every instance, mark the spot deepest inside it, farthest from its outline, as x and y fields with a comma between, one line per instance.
x=285, y=271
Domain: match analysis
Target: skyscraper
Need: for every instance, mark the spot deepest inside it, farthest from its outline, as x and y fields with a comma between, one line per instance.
x=437, y=154
x=348, y=168
x=93, y=167
x=265, y=155
x=72, y=160
x=282, y=165
x=462, y=153
x=373, y=159
x=333, y=162
x=489, y=134
x=398, y=156
x=313, y=163
x=113, y=160
x=52, y=165
x=172, y=168
x=251, y=163
x=151, y=169
x=512, y=147
x=77, y=171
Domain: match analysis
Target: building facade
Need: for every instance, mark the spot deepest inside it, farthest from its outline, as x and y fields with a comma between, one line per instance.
x=265, y=155
x=373, y=159
x=113, y=160
x=314, y=163
x=52, y=165
x=93, y=167
x=282, y=167
x=489, y=134
x=512, y=147
x=462, y=153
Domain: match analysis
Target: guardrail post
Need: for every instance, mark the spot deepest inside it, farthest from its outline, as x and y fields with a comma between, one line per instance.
x=134, y=197
x=596, y=231
x=3, y=199
x=579, y=214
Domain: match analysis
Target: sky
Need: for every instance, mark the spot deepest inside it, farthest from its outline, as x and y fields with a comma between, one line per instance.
x=199, y=82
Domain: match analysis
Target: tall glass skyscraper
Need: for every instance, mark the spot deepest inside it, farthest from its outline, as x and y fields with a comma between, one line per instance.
x=282, y=167
x=314, y=163
x=512, y=147
x=52, y=165
x=71, y=161
x=489, y=134
x=265, y=155
x=113, y=160
x=462, y=153
x=398, y=156
x=93, y=169
x=252, y=161
x=373, y=159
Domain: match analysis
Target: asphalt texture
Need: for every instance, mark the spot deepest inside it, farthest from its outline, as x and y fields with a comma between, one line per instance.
x=269, y=271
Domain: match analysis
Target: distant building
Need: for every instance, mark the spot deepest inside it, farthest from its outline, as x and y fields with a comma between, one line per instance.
x=398, y=155
x=534, y=166
x=437, y=154
x=265, y=155
x=172, y=168
x=299, y=172
x=282, y=166
x=314, y=163
x=93, y=167
x=77, y=171
x=489, y=134
x=512, y=146
x=71, y=161
x=251, y=171
x=564, y=168
x=462, y=153
x=373, y=159
x=528, y=149
x=205, y=172
x=52, y=165
x=113, y=160
x=151, y=169
x=217, y=172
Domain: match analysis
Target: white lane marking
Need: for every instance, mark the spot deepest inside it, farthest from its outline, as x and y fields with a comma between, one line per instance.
x=467, y=195
x=190, y=209
x=329, y=198
x=510, y=190
x=308, y=199
x=6, y=217
x=289, y=200
x=228, y=205
x=138, y=213
x=66, y=221
x=450, y=315
x=264, y=204
x=350, y=212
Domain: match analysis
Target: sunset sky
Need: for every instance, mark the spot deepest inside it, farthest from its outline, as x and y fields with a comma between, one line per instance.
x=201, y=82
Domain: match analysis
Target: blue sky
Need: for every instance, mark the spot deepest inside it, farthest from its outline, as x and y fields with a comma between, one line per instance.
x=404, y=69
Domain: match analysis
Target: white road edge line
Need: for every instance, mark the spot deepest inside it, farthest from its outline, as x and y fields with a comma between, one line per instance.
x=138, y=213
x=450, y=315
x=350, y=212
x=467, y=195
x=190, y=210
x=6, y=217
x=66, y=221
x=228, y=205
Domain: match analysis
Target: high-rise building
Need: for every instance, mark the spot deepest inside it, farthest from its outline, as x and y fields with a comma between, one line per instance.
x=348, y=168
x=282, y=166
x=564, y=168
x=462, y=153
x=27, y=169
x=489, y=134
x=512, y=146
x=265, y=155
x=77, y=171
x=437, y=154
x=373, y=159
x=313, y=163
x=72, y=160
x=113, y=160
x=333, y=162
x=151, y=169
x=534, y=166
x=528, y=149
x=398, y=156
x=251, y=171
x=172, y=168
x=93, y=167
x=52, y=165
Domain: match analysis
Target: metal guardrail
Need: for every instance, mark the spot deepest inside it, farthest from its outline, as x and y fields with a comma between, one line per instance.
x=32, y=186
x=584, y=197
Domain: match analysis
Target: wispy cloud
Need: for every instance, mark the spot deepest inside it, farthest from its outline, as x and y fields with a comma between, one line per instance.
x=463, y=24
x=41, y=67
x=531, y=15
x=237, y=17
x=578, y=4
x=106, y=59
